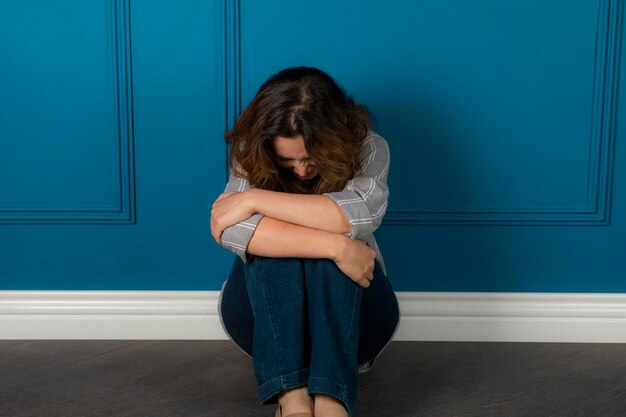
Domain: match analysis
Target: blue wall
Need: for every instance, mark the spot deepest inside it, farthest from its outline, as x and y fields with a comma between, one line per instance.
x=503, y=119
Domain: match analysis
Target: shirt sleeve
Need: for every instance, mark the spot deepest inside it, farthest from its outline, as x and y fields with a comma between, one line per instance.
x=237, y=236
x=364, y=198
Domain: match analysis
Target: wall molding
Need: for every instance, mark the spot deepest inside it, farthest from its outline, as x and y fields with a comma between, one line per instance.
x=122, y=210
x=599, y=188
x=425, y=316
x=231, y=51
x=594, y=211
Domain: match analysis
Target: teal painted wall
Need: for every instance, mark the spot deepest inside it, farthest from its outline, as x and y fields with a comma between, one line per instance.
x=503, y=119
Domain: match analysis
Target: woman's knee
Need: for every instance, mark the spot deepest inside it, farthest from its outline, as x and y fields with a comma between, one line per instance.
x=321, y=263
x=280, y=271
x=322, y=267
x=325, y=272
x=269, y=262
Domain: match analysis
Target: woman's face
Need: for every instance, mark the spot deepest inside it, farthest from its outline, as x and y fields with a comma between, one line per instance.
x=292, y=154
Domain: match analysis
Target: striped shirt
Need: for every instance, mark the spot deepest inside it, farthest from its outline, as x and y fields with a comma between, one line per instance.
x=363, y=200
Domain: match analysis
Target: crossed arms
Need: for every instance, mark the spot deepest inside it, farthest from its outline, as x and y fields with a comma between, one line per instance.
x=295, y=225
x=305, y=225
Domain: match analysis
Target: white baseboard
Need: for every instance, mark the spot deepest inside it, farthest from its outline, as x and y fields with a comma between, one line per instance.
x=425, y=316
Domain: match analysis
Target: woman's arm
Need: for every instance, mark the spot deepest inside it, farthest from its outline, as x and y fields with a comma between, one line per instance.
x=279, y=239
x=310, y=210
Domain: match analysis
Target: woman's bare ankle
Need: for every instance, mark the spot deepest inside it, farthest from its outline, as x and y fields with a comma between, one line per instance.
x=295, y=400
x=327, y=405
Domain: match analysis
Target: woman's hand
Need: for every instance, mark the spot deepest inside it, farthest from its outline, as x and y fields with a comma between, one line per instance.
x=229, y=208
x=356, y=260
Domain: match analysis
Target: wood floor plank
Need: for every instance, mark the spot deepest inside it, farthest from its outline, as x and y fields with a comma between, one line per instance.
x=94, y=376
x=192, y=388
x=605, y=362
x=32, y=357
x=7, y=343
x=433, y=374
x=214, y=378
x=611, y=403
x=237, y=355
x=539, y=394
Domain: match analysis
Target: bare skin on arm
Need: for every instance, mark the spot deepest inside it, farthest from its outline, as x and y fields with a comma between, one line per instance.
x=310, y=210
x=279, y=239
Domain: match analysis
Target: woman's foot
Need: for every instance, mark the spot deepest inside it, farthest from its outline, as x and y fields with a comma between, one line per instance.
x=296, y=400
x=329, y=406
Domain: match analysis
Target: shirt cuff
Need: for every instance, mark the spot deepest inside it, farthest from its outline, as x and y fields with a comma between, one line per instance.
x=357, y=212
x=237, y=237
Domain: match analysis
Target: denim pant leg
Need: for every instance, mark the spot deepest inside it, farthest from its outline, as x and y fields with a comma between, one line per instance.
x=280, y=351
x=334, y=303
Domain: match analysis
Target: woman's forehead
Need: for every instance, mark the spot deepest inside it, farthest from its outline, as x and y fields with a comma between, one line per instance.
x=290, y=148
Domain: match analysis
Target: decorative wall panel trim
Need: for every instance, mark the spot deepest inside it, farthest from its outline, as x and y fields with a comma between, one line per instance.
x=123, y=211
x=601, y=149
x=425, y=316
x=602, y=134
x=232, y=69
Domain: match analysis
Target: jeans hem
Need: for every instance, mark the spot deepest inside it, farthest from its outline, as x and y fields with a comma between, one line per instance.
x=318, y=385
x=269, y=390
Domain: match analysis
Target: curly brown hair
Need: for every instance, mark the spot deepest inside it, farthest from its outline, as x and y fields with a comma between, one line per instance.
x=299, y=101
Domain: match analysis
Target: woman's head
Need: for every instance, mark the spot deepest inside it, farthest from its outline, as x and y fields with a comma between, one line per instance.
x=299, y=124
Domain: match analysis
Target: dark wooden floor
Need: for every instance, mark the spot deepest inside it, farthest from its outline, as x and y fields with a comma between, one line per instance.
x=214, y=378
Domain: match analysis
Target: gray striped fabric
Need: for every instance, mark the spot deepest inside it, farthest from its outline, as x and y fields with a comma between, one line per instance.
x=363, y=200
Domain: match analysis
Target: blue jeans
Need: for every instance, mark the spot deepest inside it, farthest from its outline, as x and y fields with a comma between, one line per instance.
x=306, y=327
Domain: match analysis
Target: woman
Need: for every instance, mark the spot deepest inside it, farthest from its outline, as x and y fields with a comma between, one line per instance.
x=307, y=298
